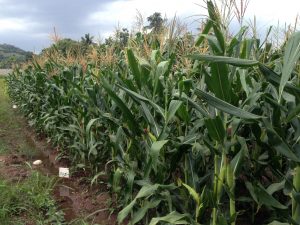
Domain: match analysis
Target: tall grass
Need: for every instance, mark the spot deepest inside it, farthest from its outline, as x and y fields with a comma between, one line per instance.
x=29, y=201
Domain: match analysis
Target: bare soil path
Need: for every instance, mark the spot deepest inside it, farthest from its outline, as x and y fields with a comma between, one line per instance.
x=4, y=72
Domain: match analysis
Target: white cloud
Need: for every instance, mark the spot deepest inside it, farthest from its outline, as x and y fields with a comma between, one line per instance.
x=124, y=12
x=271, y=11
x=15, y=24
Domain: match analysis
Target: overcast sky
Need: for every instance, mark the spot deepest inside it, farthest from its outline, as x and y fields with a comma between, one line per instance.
x=29, y=23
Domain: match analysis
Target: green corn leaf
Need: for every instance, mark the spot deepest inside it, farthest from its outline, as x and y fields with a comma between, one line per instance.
x=267, y=199
x=251, y=190
x=261, y=196
x=224, y=106
x=145, y=70
x=236, y=42
x=145, y=191
x=236, y=162
x=215, y=129
x=215, y=18
x=183, y=114
x=274, y=78
x=293, y=113
x=117, y=175
x=290, y=58
x=162, y=68
x=196, y=106
x=224, y=59
x=213, y=43
x=205, y=31
x=93, y=147
x=275, y=222
x=193, y=193
x=172, y=218
x=161, y=71
x=155, y=55
x=153, y=124
x=246, y=48
x=155, y=151
x=279, y=144
x=130, y=119
x=230, y=178
x=134, y=66
x=142, y=98
x=173, y=107
x=125, y=211
x=275, y=187
x=219, y=81
x=130, y=176
x=89, y=126
x=139, y=215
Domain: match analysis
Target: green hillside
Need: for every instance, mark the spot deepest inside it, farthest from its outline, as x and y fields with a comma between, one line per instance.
x=10, y=54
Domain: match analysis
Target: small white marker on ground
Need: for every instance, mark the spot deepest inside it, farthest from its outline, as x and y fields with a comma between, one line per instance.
x=15, y=106
x=64, y=172
x=37, y=162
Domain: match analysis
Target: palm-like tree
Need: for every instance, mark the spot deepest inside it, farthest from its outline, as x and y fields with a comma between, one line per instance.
x=87, y=39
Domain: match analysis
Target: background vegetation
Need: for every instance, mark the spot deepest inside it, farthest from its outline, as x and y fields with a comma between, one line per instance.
x=10, y=54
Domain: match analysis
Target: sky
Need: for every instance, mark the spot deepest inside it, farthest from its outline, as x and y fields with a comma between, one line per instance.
x=29, y=24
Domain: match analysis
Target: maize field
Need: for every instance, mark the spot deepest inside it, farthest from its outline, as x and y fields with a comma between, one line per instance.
x=189, y=131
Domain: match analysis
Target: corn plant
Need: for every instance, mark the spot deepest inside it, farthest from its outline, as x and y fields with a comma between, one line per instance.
x=205, y=137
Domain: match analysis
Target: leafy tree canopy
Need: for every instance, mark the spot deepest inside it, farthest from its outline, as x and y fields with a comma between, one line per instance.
x=155, y=21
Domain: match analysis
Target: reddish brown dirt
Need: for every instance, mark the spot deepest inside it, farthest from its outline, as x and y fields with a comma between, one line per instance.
x=75, y=195
x=12, y=169
x=76, y=198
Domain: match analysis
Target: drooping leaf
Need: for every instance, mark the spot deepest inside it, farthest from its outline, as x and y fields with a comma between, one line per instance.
x=261, y=196
x=142, y=98
x=146, y=190
x=279, y=144
x=274, y=78
x=198, y=107
x=125, y=211
x=268, y=199
x=140, y=213
x=224, y=59
x=172, y=218
x=224, y=106
x=293, y=113
x=275, y=187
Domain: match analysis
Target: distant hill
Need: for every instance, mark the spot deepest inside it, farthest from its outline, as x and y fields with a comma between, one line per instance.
x=10, y=54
